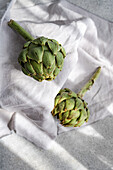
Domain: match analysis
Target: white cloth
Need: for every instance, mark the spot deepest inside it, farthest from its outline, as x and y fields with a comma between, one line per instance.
x=28, y=102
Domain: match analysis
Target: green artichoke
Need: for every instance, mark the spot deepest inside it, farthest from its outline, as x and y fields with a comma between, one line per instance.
x=41, y=58
x=70, y=108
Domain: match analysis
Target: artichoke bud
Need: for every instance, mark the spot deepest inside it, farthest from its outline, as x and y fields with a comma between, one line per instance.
x=42, y=58
x=70, y=109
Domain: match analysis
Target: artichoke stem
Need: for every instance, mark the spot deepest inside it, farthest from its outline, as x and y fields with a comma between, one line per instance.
x=90, y=83
x=14, y=25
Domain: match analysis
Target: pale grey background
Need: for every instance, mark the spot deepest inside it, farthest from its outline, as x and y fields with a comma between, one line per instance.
x=70, y=149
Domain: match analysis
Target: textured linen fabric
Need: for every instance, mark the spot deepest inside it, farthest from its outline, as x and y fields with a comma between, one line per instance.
x=95, y=50
x=28, y=102
x=31, y=100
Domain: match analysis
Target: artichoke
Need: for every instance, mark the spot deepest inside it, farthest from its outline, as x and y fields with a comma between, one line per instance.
x=41, y=58
x=70, y=108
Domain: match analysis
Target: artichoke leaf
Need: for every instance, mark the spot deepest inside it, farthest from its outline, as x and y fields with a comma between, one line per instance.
x=36, y=54
x=66, y=121
x=23, y=56
x=25, y=71
x=61, y=106
x=74, y=114
x=38, y=77
x=88, y=114
x=64, y=96
x=48, y=59
x=55, y=111
x=70, y=104
x=71, y=123
x=27, y=44
x=79, y=123
x=38, y=67
x=53, y=47
x=63, y=51
x=59, y=59
x=65, y=115
x=56, y=71
x=79, y=104
x=29, y=67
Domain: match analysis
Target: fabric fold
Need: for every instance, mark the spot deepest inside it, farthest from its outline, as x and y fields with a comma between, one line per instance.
x=5, y=117
x=27, y=128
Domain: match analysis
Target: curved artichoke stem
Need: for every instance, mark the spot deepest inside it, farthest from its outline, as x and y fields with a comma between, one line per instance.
x=90, y=83
x=14, y=25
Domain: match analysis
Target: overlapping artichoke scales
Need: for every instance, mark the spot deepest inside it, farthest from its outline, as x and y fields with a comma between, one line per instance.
x=70, y=109
x=42, y=58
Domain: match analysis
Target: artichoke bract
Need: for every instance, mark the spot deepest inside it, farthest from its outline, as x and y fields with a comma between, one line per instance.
x=70, y=108
x=41, y=58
